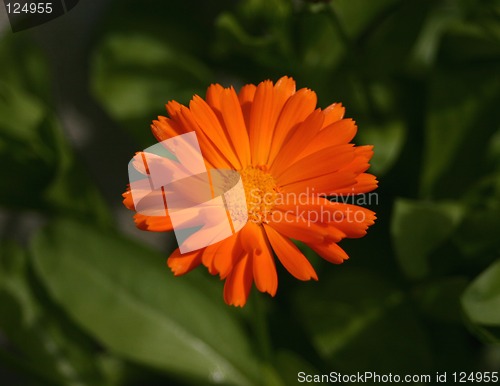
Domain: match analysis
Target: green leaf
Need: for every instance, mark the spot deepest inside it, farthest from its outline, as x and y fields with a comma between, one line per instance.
x=418, y=228
x=259, y=32
x=462, y=118
x=387, y=141
x=319, y=46
x=13, y=272
x=24, y=98
x=135, y=87
x=477, y=237
x=24, y=66
x=390, y=36
x=426, y=47
x=289, y=364
x=481, y=300
x=228, y=23
x=22, y=147
x=357, y=15
x=71, y=191
x=122, y=294
x=358, y=320
x=20, y=113
x=43, y=173
x=47, y=349
x=440, y=299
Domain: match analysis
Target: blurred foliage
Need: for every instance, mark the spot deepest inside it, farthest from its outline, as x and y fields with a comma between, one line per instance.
x=43, y=172
x=114, y=303
x=81, y=304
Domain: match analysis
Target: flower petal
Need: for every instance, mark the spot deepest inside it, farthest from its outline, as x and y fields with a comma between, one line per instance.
x=296, y=109
x=283, y=90
x=333, y=113
x=209, y=124
x=324, y=185
x=213, y=155
x=213, y=96
x=364, y=183
x=349, y=179
x=301, y=135
x=153, y=223
x=245, y=96
x=290, y=256
x=254, y=242
x=318, y=164
x=183, y=263
x=239, y=283
x=173, y=108
x=262, y=122
x=208, y=256
x=294, y=223
x=235, y=125
x=227, y=108
x=128, y=201
x=226, y=256
x=351, y=220
x=338, y=133
x=330, y=252
x=165, y=128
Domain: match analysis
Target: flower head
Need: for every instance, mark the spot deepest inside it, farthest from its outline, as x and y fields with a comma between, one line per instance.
x=291, y=157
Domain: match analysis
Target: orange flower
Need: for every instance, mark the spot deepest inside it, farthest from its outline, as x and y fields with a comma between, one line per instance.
x=291, y=156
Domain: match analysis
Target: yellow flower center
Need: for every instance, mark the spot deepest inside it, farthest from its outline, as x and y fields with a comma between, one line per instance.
x=261, y=191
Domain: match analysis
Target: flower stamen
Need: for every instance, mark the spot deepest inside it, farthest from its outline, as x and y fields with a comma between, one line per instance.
x=261, y=192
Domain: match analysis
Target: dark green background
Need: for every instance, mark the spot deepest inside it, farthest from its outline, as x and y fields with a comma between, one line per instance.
x=85, y=299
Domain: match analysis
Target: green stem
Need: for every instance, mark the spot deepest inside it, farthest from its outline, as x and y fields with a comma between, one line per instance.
x=261, y=327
